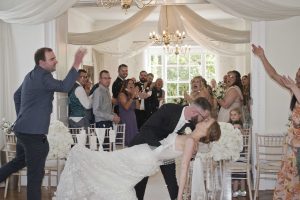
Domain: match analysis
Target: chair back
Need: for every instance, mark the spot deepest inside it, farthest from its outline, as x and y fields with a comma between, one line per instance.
x=74, y=132
x=91, y=139
x=10, y=146
x=245, y=155
x=120, y=135
x=269, y=152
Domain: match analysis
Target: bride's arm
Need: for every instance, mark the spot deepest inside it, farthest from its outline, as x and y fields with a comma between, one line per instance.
x=185, y=163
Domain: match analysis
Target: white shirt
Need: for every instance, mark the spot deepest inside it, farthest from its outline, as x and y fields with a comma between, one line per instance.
x=182, y=121
x=86, y=101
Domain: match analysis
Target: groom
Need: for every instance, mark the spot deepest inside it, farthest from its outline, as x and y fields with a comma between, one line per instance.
x=168, y=119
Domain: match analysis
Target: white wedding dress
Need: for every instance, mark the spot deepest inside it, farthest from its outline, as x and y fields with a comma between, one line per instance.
x=94, y=175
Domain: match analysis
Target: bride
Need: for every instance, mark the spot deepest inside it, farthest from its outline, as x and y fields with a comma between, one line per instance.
x=94, y=175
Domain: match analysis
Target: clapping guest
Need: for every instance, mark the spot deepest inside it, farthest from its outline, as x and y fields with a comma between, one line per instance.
x=233, y=96
x=102, y=103
x=79, y=102
x=128, y=102
x=159, y=92
x=117, y=85
x=199, y=89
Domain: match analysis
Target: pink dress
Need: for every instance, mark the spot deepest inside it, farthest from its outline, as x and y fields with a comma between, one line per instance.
x=223, y=115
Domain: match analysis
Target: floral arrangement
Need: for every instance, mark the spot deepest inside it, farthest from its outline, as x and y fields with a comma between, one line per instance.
x=229, y=146
x=219, y=92
x=6, y=126
x=60, y=140
x=180, y=101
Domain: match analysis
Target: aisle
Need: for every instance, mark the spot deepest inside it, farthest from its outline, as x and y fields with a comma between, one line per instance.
x=156, y=188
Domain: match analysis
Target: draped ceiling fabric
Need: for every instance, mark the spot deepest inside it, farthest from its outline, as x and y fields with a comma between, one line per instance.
x=35, y=11
x=169, y=20
x=256, y=10
x=135, y=48
x=111, y=33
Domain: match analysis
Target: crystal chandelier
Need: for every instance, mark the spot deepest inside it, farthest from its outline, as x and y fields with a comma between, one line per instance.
x=167, y=38
x=170, y=40
x=125, y=4
x=184, y=49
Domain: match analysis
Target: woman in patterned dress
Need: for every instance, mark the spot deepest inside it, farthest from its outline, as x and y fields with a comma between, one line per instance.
x=288, y=183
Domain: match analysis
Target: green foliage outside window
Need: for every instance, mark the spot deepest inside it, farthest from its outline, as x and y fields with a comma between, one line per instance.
x=180, y=70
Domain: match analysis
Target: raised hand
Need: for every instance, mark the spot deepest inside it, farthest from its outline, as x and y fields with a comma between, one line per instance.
x=258, y=50
x=288, y=81
x=80, y=53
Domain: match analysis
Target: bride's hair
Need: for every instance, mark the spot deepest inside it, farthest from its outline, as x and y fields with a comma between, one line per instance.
x=213, y=133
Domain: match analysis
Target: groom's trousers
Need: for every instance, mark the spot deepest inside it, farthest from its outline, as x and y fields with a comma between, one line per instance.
x=31, y=152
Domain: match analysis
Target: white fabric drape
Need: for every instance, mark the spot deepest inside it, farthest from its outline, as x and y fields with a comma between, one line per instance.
x=36, y=11
x=209, y=45
x=169, y=20
x=7, y=68
x=256, y=10
x=134, y=49
x=96, y=37
x=211, y=30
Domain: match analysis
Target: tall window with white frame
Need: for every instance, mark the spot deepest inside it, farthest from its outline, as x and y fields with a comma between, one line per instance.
x=177, y=71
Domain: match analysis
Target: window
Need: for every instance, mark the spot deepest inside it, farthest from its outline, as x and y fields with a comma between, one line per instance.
x=177, y=71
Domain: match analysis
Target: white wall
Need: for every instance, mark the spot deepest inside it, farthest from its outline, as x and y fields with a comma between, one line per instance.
x=26, y=39
x=271, y=102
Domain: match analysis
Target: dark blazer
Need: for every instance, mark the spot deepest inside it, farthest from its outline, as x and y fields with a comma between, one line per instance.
x=159, y=125
x=116, y=87
x=33, y=99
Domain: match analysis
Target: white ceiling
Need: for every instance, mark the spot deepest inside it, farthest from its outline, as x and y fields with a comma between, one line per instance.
x=89, y=9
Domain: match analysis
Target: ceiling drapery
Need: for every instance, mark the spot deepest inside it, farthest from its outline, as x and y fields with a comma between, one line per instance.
x=35, y=11
x=256, y=10
x=111, y=33
x=202, y=25
x=210, y=29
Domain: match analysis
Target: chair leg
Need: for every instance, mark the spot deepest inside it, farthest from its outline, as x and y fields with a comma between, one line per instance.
x=19, y=182
x=249, y=184
x=256, y=184
x=6, y=187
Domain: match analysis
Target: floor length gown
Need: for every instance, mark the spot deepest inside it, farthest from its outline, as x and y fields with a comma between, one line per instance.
x=98, y=175
x=288, y=183
x=128, y=117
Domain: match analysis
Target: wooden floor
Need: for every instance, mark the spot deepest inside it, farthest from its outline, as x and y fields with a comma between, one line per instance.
x=46, y=195
x=156, y=190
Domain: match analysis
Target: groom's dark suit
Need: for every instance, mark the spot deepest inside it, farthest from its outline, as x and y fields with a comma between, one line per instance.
x=157, y=127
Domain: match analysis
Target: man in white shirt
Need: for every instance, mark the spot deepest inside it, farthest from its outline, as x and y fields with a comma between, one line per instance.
x=79, y=102
x=102, y=103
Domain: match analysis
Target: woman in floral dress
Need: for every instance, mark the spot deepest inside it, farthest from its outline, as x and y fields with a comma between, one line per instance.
x=288, y=183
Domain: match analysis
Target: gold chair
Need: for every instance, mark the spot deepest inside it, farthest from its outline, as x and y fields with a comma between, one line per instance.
x=269, y=154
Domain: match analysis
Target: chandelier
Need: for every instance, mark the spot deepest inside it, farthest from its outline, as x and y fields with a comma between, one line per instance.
x=125, y=4
x=184, y=49
x=170, y=39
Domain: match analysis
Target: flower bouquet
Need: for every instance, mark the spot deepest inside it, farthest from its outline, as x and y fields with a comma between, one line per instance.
x=219, y=92
x=60, y=140
x=229, y=146
x=6, y=126
x=180, y=101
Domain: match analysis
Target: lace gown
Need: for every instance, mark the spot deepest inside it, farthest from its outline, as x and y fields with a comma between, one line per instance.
x=93, y=175
x=288, y=183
